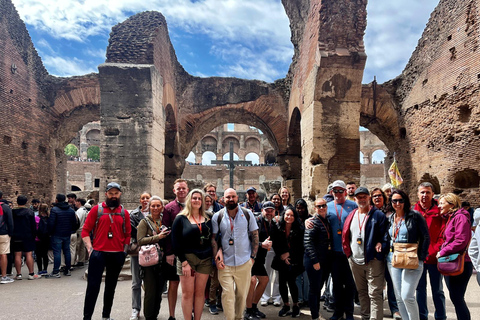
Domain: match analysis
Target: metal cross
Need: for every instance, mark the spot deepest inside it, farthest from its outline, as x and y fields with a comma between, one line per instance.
x=231, y=163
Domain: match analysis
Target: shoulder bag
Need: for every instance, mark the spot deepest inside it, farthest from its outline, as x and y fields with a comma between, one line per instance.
x=150, y=254
x=405, y=255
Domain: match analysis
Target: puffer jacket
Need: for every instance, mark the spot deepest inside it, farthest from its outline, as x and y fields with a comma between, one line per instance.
x=417, y=232
x=62, y=221
x=317, y=240
x=6, y=219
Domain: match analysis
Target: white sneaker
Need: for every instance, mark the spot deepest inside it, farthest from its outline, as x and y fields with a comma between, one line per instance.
x=264, y=303
x=6, y=280
x=135, y=314
x=34, y=276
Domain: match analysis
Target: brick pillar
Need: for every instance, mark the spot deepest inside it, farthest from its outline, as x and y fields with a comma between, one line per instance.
x=133, y=129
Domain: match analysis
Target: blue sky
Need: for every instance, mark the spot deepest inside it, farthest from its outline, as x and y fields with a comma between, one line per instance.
x=247, y=39
x=236, y=38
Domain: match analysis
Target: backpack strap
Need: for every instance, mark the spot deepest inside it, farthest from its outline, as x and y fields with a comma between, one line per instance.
x=100, y=213
x=245, y=213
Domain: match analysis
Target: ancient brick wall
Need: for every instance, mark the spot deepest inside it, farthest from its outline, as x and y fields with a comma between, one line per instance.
x=438, y=101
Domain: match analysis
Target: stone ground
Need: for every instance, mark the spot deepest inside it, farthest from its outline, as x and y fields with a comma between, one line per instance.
x=63, y=299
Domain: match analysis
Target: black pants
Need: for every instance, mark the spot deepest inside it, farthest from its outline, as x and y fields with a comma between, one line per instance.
x=457, y=286
x=41, y=251
x=343, y=286
x=153, y=282
x=99, y=261
x=316, y=279
x=288, y=277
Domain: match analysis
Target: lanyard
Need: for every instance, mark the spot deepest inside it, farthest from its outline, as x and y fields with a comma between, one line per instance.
x=396, y=228
x=198, y=224
x=231, y=224
x=341, y=213
x=363, y=222
x=326, y=229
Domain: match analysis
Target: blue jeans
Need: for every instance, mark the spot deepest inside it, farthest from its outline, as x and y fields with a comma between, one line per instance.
x=136, y=283
x=60, y=244
x=405, y=282
x=392, y=300
x=303, y=286
x=436, y=284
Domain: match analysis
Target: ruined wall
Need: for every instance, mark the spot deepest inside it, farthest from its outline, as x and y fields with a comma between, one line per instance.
x=438, y=100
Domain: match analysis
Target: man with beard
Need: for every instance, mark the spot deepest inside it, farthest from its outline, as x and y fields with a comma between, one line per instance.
x=258, y=270
x=428, y=207
x=234, y=253
x=110, y=224
x=169, y=269
x=351, y=187
x=364, y=245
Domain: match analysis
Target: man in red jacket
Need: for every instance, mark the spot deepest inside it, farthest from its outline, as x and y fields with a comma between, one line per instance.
x=111, y=236
x=427, y=206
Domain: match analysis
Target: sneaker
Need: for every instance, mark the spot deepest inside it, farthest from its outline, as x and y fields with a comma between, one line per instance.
x=213, y=309
x=79, y=265
x=135, y=314
x=53, y=275
x=259, y=313
x=18, y=277
x=42, y=273
x=397, y=316
x=264, y=303
x=171, y=318
x=250, y=316
x=219, y=307
x=207, y=303
x=277, y=303
x=295, y=311
x=34, y=276
x=285, y=311
x=67, y=273
x=6, y=280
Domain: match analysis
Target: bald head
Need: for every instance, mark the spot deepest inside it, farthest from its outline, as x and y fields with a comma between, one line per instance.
x=231, y=198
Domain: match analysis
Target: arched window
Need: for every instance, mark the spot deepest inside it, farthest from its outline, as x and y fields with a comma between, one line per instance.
x=378, y=156
x=93, y=153
x=207, y=157
x=252, y=156
x=191, y=157
x=71, y=150
x=226, y=156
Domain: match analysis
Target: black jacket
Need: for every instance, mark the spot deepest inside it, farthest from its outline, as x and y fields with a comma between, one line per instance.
x=24, y=226
x=62, y=221
x=136, y=216
x=317, y=241
x=6, y=219
x=293, y=244
x=417, y=232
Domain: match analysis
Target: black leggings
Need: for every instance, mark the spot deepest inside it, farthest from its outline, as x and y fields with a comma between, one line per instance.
x=41, y=251
x=457, y=286
x=288, y=277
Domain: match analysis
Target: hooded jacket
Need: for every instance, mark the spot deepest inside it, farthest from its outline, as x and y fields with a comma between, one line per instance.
x=62, y=221
x=457, y=234
x=6, y=219
x=24, y=224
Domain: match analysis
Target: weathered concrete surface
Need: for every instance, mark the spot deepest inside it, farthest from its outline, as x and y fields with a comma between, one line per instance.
x=60, y=299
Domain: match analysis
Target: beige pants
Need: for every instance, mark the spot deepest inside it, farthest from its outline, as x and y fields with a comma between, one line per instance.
x=369, y=279
x=73, y=250
x=235, y=282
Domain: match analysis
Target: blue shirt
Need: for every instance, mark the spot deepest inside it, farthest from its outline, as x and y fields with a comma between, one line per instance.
x=237, y=229
x=333, y=215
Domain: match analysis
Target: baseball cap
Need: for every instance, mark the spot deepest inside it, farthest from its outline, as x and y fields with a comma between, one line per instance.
x=112, y=185
x=361, y=190
x=268, y=205
x=251, y=189
x=339, y=184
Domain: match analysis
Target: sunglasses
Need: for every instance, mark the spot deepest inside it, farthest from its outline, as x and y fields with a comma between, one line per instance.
x=398, y=201
x=321, y=206
x=377, y=196
x=338, y=191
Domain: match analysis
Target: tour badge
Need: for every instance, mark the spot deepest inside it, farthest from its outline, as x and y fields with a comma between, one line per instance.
x=339, y=232
x=329, y=247
x=110, y=234
x=359, y=241
x=230, y=242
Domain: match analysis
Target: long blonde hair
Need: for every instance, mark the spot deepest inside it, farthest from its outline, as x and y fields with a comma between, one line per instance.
x=453, y=199
x=187, y=211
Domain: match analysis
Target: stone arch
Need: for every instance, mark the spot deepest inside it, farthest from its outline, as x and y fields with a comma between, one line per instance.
x=252, y=144
x=270, y=157
x=467, y=178
x=226, y=145
x=253, y=156
x=378, y=151
x=93, y=136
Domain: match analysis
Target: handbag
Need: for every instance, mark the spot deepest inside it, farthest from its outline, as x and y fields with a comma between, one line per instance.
x=451, y=265
x=405, y=255
x=133, y=249
x=150, y=254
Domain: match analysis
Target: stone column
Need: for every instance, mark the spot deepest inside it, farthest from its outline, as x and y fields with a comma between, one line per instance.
x=133, y=129
x=83, y=144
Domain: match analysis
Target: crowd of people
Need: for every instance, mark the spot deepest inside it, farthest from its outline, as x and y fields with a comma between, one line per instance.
x=236, y=257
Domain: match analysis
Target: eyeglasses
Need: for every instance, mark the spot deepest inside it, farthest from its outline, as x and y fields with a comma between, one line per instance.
x=398, y=201
x=377, y=196
x=321, y=206
x=338, y=191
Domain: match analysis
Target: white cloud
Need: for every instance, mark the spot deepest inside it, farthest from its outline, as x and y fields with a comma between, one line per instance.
x=61, y=67
x=96, y=53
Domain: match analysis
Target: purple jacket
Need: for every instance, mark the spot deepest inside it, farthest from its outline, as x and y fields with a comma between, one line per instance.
x=457, y=234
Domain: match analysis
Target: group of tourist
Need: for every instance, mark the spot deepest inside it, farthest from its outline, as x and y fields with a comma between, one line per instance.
x=236, y=257
x=40, y=232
